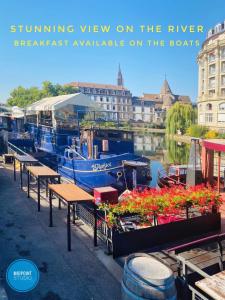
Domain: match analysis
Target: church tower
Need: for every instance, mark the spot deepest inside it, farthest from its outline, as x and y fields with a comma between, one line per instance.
x=166, y=95
x=119, y=77
x=165, y=89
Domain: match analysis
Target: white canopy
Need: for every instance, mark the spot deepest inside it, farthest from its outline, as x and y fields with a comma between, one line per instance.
x=55, y=103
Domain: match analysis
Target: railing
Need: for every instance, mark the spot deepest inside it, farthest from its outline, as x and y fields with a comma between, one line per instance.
x=14, y=149
x=85, y=213
x=186, y=266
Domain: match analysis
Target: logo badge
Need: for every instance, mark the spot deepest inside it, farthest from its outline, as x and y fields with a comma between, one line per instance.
x=22, y=275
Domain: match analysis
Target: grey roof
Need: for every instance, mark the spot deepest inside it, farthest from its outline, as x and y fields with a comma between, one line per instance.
x=139, y=102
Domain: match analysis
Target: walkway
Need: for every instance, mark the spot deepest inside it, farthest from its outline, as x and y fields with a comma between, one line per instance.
x=78, y=275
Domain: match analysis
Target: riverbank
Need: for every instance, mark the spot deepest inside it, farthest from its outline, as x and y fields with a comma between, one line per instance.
x=180, y=138
x=138, y=129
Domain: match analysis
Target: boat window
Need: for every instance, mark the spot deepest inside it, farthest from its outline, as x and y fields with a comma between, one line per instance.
x=115, y=135
x=70, y=155
x=100, y=134
x=127, y=136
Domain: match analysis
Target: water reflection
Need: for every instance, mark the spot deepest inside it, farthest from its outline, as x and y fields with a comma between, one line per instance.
x=162, y=152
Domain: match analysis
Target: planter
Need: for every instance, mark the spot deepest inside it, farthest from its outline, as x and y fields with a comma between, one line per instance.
x=124, y=243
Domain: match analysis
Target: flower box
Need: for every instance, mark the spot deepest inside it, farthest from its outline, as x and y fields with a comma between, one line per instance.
x=124, y=243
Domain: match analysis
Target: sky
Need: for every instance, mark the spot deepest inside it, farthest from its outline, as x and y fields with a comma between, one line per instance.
x=143, y=68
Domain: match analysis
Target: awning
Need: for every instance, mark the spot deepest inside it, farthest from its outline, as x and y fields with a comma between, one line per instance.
x=55, y=103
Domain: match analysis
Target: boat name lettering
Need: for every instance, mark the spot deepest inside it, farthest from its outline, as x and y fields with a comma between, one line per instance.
x=98, y=167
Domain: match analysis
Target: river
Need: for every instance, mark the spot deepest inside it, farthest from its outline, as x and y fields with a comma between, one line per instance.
x=162, y=151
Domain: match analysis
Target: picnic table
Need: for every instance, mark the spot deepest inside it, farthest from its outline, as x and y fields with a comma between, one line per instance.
x=213, y=286
x=23, y=160
x=41, y=173
x=71, y=194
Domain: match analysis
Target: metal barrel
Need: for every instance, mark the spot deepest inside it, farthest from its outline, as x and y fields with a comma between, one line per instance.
x=145, y=277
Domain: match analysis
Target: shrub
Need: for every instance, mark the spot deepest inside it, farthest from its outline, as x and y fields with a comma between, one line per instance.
x=211, y=134
x=196, y=131
x=221, y=135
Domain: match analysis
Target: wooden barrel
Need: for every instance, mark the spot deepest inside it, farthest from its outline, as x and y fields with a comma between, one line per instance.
x=145, y=277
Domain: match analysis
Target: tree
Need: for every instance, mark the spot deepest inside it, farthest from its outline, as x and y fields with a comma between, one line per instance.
x=22, y=97
x=179, y=117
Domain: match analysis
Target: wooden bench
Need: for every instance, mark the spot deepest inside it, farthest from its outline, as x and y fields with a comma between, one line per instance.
x=71, y=194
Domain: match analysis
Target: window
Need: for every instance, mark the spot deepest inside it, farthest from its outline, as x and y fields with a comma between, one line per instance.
x=108, y=107
x=203, y=73
x=211, y=57
x=223, y=80
x=212, y=69
x=133, y=108
x=203, y=85
x=222, y=52
x=212, y=93
x=223, y=92
x=114, y=108
x=107, y=99
x=208, y=118
x=222, y=106
x=209, y=106
x=223, y=67
x=201, y=118
x=101, y=99
x=212, y=83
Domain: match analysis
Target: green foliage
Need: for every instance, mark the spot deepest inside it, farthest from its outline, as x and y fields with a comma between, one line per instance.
x=221, y=136
x=211, y=134
x=179, y=117
x=197, y=131
x=178, y=153
x=22, y=97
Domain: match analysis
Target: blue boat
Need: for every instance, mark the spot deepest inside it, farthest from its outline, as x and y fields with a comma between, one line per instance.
x=92, y=157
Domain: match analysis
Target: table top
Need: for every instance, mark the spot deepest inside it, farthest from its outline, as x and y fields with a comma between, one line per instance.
x=25, y=158
x=105, y=189
x=70, y=192
x=42, y=171
x=214, y=286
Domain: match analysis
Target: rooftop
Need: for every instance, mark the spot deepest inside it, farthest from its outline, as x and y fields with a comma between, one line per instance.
x=54, y=103
x=97, y=85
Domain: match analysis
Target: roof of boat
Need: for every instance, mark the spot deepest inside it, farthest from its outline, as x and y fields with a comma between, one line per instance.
x=214, y=144
x=54, y=103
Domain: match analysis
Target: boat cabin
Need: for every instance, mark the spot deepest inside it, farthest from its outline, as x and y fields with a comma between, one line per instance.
x=53, y=121
x=96, y=143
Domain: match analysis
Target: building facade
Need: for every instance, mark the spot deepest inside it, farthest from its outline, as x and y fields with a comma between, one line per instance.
x=121, y=106
x=152, y=107
x=211, y=79
x=147, y=111
x=115, y=99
